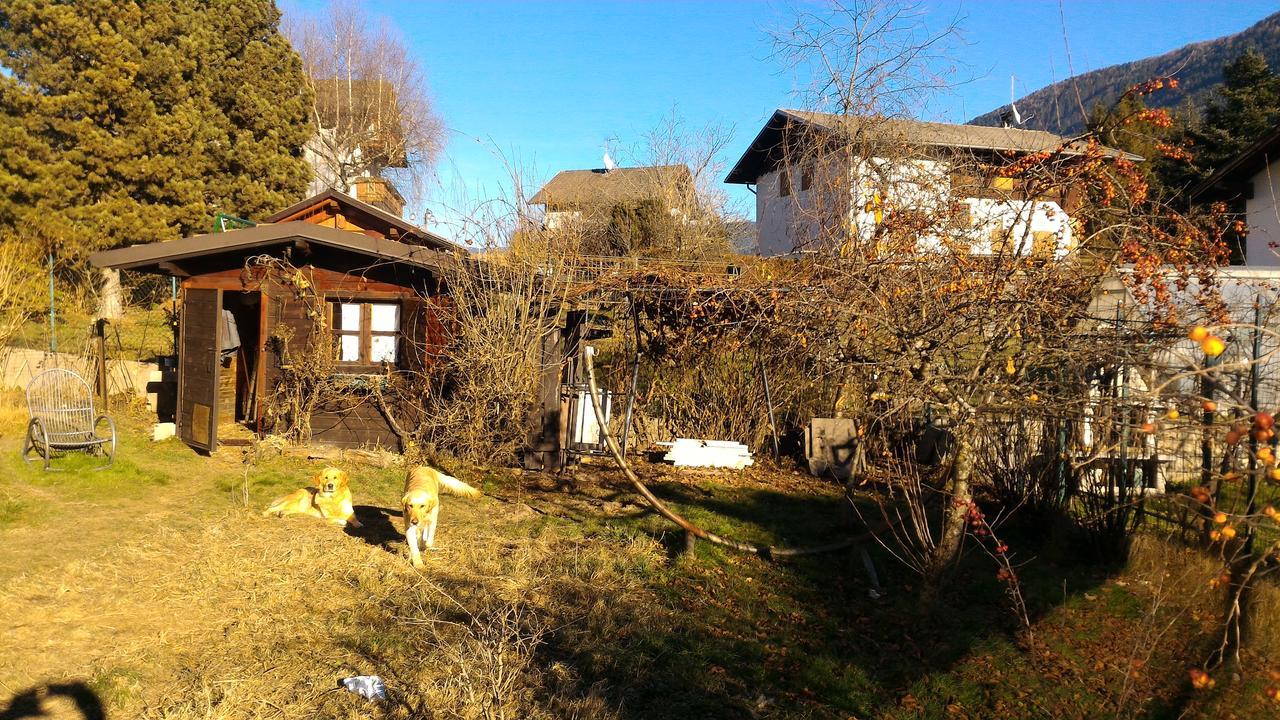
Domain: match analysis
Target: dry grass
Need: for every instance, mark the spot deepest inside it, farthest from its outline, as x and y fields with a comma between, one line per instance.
x=248, y=617
x=167, y=597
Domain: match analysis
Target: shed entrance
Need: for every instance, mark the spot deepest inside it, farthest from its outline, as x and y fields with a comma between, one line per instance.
x=200, y=360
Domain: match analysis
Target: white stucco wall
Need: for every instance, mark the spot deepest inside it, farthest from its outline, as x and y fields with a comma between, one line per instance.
x=555, y=219
x=1262, y=213
x=789, y=223
x=919, y=185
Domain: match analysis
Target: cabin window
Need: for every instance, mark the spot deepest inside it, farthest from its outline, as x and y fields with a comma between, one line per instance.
x=806, y=178
x=784, y=183
x=366, y=333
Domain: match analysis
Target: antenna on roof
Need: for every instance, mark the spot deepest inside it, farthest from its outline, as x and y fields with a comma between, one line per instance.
x=1011, y=117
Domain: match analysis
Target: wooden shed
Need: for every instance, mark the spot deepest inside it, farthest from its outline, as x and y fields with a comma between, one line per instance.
x=376, y=279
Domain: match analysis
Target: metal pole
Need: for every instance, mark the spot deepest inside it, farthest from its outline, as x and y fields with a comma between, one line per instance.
x=635, y=379
x=173, y=300
x=53, y=336
x=1251, y=503
x=1126, y=419
x=768, y=401
x=631, y=399
x=100, y=338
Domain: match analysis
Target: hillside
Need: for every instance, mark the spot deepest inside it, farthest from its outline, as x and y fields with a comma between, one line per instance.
x=1197, y=66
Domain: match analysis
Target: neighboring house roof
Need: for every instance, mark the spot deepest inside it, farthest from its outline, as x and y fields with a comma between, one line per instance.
x=169, y=258
x=579, y=188
x=408, y=233
x=767, y=149
x=1243, y=166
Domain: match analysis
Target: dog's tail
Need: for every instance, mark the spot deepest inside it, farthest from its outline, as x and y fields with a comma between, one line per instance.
x=451, y=484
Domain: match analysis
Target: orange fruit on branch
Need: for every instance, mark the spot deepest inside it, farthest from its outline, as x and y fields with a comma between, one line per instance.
x=1213, y=346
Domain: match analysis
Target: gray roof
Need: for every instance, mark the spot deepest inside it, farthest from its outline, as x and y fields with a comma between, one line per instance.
x=765, y=151
x=161, y=257
x=575, y=188
x=1261, y=153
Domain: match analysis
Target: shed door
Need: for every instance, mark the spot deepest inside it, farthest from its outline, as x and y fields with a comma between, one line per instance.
x=198, y=368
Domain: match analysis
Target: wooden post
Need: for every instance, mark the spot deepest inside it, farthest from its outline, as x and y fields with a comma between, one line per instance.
x=103, y=382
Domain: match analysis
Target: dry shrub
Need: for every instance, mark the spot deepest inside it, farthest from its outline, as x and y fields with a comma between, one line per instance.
x=717, y=391
x=478, y=401
x=20, y=285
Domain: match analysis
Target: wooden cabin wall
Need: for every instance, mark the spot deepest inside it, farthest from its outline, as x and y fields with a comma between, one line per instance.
x=356, y=420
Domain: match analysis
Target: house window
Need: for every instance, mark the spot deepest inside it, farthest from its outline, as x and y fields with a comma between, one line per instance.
x=784, y=183
x=806, y=178
x=366, y=333
x=1002, y=183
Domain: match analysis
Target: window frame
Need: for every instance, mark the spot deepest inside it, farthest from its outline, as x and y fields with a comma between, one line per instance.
x=365, y=333
x=784, y=182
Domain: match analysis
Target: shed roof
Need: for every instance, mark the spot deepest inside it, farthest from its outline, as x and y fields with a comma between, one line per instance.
x=766, y=150
x=609, y=187
x=413, y=233
x=167, y=258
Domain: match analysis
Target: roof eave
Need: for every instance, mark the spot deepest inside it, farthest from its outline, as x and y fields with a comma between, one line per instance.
x=1261, y=149
x=159, y=254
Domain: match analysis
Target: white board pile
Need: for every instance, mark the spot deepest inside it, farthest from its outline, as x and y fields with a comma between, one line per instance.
x=690, y=452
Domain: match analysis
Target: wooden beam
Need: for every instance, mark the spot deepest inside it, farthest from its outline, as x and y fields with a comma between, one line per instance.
x=173, y=269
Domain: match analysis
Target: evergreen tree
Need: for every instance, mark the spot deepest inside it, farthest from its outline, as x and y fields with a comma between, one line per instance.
x=1245, y=107
x=1158, y=136
x=132, y=121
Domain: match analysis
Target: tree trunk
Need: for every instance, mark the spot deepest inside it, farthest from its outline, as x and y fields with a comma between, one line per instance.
x=954, y=518
x=111, y=301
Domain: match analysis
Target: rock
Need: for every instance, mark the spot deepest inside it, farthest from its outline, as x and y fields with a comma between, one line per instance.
x=163, y=431
x=517, y=512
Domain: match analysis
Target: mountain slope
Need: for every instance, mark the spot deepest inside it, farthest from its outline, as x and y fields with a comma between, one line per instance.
x=1197, y=66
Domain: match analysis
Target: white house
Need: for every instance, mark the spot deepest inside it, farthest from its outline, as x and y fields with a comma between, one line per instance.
x=1250, y=183
x=898, y=166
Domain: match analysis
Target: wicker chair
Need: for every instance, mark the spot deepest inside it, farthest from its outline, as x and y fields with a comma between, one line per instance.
x=60, y=405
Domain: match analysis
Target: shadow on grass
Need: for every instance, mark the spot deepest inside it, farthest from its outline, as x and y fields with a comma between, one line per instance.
x=804, y=637
x=377, y=526
x=31, y=703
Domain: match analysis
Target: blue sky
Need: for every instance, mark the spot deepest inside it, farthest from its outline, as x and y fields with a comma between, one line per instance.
x=545, y=85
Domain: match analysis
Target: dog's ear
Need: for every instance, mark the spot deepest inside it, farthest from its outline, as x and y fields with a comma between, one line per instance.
x=318, y=479
x=344, y=478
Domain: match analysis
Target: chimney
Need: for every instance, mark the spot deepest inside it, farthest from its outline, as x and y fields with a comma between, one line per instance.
x=378, y=192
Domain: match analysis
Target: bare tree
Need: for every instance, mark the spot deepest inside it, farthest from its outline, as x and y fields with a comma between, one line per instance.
x=372, y=106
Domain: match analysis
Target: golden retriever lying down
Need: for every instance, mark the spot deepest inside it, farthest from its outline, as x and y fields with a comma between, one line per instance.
x=421, y=504
x=329, y=498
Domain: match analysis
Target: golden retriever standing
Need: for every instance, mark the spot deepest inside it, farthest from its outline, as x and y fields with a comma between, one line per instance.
x=329, y=498
x=421, y=504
